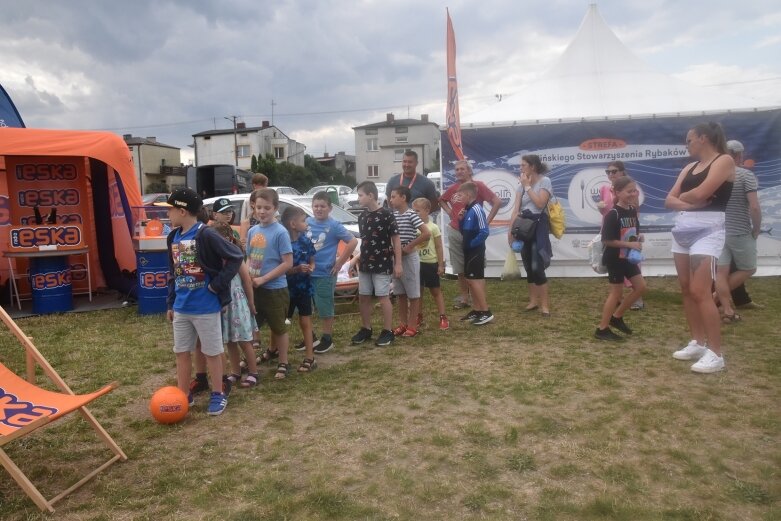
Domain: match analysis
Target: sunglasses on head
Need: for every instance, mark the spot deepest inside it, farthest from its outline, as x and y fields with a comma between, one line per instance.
x=612, y=171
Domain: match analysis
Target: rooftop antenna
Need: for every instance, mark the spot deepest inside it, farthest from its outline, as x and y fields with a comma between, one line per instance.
x=272, y=110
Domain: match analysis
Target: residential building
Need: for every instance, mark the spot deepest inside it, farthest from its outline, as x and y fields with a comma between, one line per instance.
x=341, y=161
x=237, y=146
x=152, y=161
x=379, y=147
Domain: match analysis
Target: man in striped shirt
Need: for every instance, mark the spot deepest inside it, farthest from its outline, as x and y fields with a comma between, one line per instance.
x=742, y=223
x=412, y=232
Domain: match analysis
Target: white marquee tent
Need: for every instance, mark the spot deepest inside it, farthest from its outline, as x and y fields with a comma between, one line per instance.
x=597, y=77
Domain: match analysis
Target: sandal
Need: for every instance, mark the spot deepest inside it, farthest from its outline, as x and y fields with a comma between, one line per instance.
x=250, y=381
x=307, y=366
x=268, y=355
x=730, y=319
x=282, y=371
x=233, y=377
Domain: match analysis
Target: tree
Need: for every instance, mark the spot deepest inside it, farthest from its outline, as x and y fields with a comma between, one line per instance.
x=254, y=164
x=156, y=187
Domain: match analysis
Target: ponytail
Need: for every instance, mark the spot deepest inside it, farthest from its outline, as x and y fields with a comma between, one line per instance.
x=714, y=134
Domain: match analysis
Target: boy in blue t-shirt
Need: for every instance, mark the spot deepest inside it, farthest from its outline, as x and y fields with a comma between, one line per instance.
x=269, y=257
x=475, y=231
x=326, y=233
x=202, y=265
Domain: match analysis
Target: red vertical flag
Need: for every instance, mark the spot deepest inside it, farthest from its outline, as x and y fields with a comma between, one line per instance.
x=453, y=118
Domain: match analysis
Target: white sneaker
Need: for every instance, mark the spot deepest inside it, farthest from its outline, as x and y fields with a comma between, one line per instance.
x=709, y=363
x=693, y=351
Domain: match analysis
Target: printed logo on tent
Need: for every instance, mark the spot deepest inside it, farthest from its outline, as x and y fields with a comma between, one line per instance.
x=5, y=211
x=35, y=237
x=78, y=271
x=46, y=172
x=65, y=218
x=67, y=197
x=16, y=413
x=117, y=210
x=50, y=280
x=602, y=144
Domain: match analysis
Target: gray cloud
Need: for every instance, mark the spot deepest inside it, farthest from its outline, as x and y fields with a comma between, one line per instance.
x=158, y=65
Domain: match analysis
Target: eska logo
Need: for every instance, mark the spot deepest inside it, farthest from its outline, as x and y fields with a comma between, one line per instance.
x=68, y=197
x=16, y=413
x=153, y=279
x=5, y=211
x=50, y=280
x=54, y=172
x=46, y=236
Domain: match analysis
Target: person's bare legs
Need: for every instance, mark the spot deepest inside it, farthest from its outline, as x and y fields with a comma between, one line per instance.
x=214, y=366
x=234, y=356
x=700, y=284
x=542, y=293
x=281, y=343
x=439, y=298
x=249, y=355
x=365, y=305
x=403, y=310
x=533, y=297
x=477, y=289
x=306, y=329
x=184, y=371
x=723, y=290
x=414, y=309
x=386, y=307
x=638, y=289
x=690, y=310
x=612, y=300
x=463, y=288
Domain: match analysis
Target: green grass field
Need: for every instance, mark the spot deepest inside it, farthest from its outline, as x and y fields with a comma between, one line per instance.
x=526, y=418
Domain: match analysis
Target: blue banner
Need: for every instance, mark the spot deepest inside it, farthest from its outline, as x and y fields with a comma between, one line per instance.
x=9, y=116
x=652, y=149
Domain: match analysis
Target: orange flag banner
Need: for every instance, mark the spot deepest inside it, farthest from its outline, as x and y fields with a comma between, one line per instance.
x=453, y=117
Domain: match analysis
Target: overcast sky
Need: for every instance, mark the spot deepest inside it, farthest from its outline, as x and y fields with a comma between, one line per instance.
x=170, y=68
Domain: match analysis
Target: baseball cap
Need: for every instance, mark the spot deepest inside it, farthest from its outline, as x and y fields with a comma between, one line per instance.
x=185, y=198
x=222, y=204
x=734, y=145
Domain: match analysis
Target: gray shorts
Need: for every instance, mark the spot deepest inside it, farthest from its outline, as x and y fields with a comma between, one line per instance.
x=455, y=245
x=189, y=328
x=374, y=284
x=742, y=249
x=409, y=283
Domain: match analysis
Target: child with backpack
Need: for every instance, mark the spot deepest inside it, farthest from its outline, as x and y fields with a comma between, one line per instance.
x=620, y=235
x=202, y=266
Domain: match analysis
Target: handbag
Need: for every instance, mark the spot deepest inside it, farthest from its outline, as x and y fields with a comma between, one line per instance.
x=523, y=228
x=596, y=252
x=558, y=222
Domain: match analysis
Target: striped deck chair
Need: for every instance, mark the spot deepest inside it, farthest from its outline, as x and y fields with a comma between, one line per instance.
x=24, y=407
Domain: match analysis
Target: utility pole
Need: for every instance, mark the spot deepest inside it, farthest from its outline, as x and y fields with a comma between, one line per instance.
x=235, y=140
x=272, y=110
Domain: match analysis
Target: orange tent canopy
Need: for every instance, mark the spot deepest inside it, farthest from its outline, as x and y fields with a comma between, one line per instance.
x=103, y=146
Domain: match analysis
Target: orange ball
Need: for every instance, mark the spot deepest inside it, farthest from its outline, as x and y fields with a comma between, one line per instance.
x=168, y=405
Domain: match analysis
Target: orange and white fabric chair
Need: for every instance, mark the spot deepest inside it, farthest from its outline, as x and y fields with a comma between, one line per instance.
x=24, y=407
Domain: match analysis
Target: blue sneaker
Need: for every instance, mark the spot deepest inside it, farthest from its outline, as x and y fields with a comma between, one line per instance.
x=217, y=404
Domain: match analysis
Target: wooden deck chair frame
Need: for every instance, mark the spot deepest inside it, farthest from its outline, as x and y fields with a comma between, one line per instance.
x=33, y=357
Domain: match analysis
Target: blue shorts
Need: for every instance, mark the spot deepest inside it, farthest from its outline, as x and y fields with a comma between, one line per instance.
x=301, y=302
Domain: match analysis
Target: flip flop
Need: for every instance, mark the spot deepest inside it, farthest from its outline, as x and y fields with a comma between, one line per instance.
x=731, y=319
x=527, y=308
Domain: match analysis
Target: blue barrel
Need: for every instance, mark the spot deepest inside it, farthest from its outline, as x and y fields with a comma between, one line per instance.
x=152, y=269
x=50, y=280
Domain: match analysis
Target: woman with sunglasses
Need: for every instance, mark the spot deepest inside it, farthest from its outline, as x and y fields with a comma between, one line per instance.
x=614, y=170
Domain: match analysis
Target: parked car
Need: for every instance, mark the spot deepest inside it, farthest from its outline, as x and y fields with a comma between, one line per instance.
x=240, y=201
x=341, y=190
x=158, y=212
x=351, y=199
x=285, y=190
